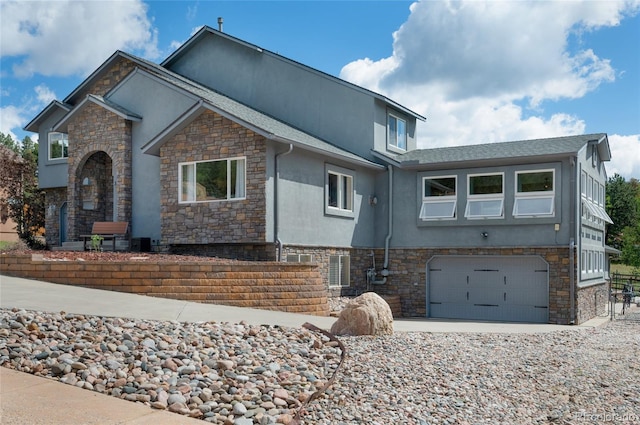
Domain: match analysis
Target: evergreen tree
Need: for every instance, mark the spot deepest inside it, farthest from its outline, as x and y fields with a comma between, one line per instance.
x=21, y=195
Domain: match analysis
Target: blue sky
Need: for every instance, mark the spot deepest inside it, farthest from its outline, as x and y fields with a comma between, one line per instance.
x=479, y=71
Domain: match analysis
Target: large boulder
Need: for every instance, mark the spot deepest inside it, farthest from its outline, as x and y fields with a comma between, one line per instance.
x=368, y=314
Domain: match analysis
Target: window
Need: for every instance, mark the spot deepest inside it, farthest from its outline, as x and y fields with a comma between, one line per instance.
x=534, y=194
x=207, y=181
x=339, y=270
x=485, y=196
x=299, y=258
x=594, y=155
x=397, y=136
x=438, y=198
x=58, y=146
x=339, y=190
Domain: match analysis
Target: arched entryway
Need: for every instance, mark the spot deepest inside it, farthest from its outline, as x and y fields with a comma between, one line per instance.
x=94, y=187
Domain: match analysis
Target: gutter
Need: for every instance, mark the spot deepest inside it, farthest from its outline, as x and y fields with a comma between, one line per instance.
x=275, y=202
x=385, y=267
x=572, y=244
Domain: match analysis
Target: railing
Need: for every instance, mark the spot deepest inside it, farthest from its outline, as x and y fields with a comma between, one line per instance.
x=618, y=281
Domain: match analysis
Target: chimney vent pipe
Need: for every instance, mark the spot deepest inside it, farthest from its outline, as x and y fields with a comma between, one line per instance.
x=220, y=21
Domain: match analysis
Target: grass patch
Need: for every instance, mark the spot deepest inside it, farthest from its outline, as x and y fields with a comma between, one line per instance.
x=622, y=269
x=6, y=246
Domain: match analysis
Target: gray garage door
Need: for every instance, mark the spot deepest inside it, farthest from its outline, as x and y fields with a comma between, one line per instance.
x=503, y=288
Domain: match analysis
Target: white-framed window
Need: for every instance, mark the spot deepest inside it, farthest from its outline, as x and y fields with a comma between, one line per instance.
x=58, y=145
x=299, y=258
x=583, y=183
x=339, y=191
x=339, y=270
x=534, y=194
x=485, y=196
x=207, y=181
x=397, y=132
x=439, y=199
x=594, y=155
x=590, y=188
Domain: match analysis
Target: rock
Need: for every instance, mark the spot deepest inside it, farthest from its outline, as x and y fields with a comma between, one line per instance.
x=368, y=314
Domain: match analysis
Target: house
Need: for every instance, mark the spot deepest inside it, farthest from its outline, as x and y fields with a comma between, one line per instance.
x=227, y=149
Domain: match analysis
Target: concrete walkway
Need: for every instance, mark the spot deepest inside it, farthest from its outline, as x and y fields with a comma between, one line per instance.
x=27, y=399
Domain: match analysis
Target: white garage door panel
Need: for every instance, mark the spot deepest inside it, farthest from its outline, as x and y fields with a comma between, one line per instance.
x=505, y=288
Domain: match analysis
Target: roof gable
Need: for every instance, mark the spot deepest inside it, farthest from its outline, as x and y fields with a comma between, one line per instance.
x=103, y=103
x=55, y=105
x=207, y=31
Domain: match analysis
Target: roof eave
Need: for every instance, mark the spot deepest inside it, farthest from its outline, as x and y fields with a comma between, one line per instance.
x=33, y=125
x=61, y=125
x=208, y=30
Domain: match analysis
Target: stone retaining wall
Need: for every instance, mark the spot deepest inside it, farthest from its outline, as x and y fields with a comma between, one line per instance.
x=294, y=288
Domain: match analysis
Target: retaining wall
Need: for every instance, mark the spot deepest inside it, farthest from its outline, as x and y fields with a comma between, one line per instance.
x=294, y=288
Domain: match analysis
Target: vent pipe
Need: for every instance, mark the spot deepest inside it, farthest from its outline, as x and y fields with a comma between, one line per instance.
x=220, y=21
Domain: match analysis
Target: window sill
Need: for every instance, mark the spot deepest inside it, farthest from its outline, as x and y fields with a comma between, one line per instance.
x=395, y=149
x=338, y=212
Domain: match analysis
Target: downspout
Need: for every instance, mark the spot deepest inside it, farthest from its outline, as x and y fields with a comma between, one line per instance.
x=385, y=267
x=275, y=202
x=572, y=242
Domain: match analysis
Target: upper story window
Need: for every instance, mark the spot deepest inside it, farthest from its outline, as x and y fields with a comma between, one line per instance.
x=534, y=195
x=397, y=133
x=207, y=181
x=58, y=145
x=439, y=198
x=485, y=197
x=339, y=191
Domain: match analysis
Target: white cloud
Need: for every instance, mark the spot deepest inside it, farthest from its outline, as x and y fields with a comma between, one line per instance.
x=10, y=118
x=625, y=156
x=480, y=70
x=61, y=38
x=45, y=94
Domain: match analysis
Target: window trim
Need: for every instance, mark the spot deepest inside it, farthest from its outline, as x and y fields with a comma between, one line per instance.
x=524, y=196
x=491, y=197
x=449, y=199
x=390, y=145
x=64, y=139
x=228, y=198
x=341, y=173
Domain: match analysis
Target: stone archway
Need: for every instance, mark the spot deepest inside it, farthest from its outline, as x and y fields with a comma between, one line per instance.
x=93, y=197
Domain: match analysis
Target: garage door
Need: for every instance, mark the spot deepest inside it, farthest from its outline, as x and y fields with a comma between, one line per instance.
x=502, y=288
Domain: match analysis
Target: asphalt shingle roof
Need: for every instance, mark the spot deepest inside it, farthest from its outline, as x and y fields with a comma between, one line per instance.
x=502, y=151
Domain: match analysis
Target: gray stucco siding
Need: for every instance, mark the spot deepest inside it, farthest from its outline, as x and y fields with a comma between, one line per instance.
x=294, y=94
x=302, y=213
x=158, y=104
x=51, y=173
x=381, y=118
x=411, y=231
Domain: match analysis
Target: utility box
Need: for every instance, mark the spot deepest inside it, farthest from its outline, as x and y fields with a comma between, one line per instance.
x=141, y=244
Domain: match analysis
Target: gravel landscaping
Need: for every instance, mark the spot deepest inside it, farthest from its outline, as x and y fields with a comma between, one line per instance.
x=227, y=373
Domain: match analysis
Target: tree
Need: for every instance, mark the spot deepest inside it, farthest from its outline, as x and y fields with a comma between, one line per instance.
x=622, y=207
x=25, y=201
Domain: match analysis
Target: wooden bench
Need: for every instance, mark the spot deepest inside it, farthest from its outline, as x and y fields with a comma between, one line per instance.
x=107, y=230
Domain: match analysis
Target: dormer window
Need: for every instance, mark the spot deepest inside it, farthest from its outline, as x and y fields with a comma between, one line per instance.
x=397, y=133
x=58, y=145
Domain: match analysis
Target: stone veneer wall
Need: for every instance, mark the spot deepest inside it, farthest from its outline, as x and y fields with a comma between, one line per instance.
x=118, y=71
x=92, y=131
x=592, y=302
x=211, y=137
x=113, y=76
x=54, y=198
x=247, y=252
x=407, y=276
x=294, y=288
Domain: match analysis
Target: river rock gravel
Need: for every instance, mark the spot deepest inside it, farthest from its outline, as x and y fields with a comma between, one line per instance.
x=235, y=374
